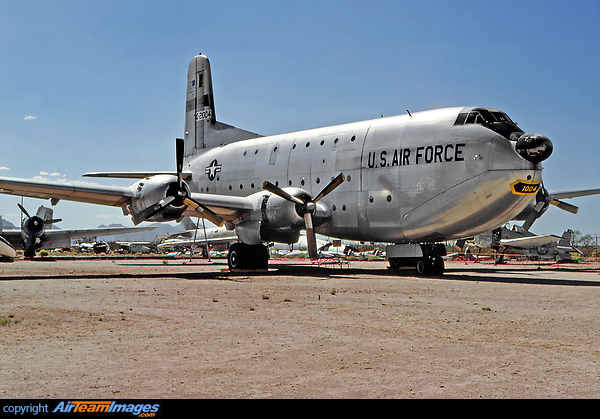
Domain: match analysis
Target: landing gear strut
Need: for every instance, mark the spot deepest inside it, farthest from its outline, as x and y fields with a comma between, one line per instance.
x=246, y=256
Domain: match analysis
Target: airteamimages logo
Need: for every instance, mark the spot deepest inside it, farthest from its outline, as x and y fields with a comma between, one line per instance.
x=141, y=410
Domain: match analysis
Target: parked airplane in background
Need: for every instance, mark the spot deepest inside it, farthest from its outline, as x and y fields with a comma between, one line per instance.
x=515, y=240
x=196, y=236
x=35, y=233
x=411, y=180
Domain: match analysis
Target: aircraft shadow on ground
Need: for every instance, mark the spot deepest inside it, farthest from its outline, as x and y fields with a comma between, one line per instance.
x=512, y=275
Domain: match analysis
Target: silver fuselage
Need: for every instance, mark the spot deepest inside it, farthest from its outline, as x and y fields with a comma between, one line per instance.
x=409, y=178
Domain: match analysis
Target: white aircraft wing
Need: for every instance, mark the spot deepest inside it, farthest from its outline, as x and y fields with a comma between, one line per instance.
x=528, y=242
x=116, y=196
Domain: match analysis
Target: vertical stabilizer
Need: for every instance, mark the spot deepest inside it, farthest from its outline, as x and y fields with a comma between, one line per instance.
x=567, y=238
x=201, y=127
x=44, y=213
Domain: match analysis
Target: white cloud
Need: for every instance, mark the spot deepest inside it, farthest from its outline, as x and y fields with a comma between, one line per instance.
x=4, y=168
x=55, y=174
x=29, y=117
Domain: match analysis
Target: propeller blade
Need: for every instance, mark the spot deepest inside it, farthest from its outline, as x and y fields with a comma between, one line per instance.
x=152, y=210
x=530, y=220
x=56, y=220
x=565, y=206
x=24, y=211
x=335, y=182
x=311, y=239
x=204, y=212
x=179, y=156
x=268, y=186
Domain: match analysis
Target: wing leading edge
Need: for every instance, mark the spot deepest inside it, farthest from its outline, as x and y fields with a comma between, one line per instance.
x=115, y=196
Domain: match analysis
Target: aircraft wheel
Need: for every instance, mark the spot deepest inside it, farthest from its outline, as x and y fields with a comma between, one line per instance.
x=421, y=267
x=438, y=266
x=245, y=256
x=235, y=257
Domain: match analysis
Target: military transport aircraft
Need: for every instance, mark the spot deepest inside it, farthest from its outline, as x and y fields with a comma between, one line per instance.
x=411, y=180
x=35, y=234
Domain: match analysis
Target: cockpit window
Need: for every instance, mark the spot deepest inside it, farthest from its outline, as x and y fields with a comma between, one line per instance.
x=495, y=120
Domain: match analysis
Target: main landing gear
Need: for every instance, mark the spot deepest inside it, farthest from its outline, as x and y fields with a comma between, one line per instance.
x=427, y=259
x=247, y=256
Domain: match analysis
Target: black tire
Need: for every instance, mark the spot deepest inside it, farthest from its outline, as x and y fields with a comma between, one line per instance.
x=245, y=256
x=236, y=257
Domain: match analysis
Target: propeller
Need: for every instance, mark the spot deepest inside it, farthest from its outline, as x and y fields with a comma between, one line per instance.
x=544, y=199
x=306, y=208
x=181, y=192
x=36, y=223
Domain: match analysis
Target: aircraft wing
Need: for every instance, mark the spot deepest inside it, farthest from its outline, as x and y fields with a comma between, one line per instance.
x=77, y=233
x=529, y=242
x=13, y=236
x=115, y=196
x=229, y=208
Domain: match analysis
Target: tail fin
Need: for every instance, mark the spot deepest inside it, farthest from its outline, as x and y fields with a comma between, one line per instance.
x=201, y=127
x=567, y=238
x=44, y=213
x=189, y=224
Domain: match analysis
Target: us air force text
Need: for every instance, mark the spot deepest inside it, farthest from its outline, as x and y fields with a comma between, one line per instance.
x=405, y=156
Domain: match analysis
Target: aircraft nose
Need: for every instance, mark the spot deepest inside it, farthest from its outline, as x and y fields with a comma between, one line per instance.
x=534, y=148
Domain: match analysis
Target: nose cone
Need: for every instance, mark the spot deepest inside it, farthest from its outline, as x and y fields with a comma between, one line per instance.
x=534, y=148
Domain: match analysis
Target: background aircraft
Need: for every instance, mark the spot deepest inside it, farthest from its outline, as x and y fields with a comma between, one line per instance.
x=195, y=236
x=36, y=232
x=515, y=240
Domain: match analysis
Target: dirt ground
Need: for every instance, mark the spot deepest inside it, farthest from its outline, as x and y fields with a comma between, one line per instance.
x=135, y=328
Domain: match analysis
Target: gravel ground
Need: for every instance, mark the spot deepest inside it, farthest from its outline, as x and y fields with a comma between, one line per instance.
x=148, y=328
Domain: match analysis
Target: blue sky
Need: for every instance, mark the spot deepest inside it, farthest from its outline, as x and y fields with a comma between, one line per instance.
x=100, y=85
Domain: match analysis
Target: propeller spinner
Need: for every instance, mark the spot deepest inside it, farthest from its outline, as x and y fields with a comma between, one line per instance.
x=178, y=192
x=306, y=208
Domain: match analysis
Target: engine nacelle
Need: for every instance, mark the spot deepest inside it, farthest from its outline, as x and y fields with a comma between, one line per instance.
x=280, y=220
x=151, y=190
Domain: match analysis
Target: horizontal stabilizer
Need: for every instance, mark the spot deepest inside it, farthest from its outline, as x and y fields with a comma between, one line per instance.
x=135, y=175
